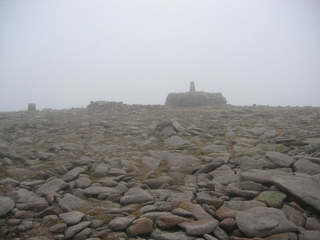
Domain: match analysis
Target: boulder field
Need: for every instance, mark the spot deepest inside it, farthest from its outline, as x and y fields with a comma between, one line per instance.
x=117, y=171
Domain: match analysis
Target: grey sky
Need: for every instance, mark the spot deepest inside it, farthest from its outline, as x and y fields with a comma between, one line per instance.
x=63, y=54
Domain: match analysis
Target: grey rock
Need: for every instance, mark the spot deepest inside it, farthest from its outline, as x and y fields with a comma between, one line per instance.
x=83, y=182
x=177, y=126
x=170, y=221
x=294, y=215
x=71, y=218
x=26, y=200
x=83, y=235
x=310, y=235
x=25, y=226
x=271, y=198
x=73, y=174
x=213, y=149
x=52, y=186
x=306, y=166
x=158, y=182
x=304, y=189
x=181, y=196
x=93, y=191
x=6, y=204
x=198, y=212
x=121, y=223
x=71, y=202
x=263, y=222
x=158, y=234
x=280, y=159
x=199, y=227
x=140, y=227
x=150, y=163
x=58, y=228
x=177, y=142
x=225, y=175
x=135, y=195
x=73, y=230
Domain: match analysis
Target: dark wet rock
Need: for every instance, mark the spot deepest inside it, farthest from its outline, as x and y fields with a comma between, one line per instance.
x=71, y=218
x=52, y=186
x=280, y=159
x=141, y=226
x=73, y=230
x=6, y=204
x=136, y=195
x=199, y=227
x=121, y=223
x=70, y=202
x=263, y=222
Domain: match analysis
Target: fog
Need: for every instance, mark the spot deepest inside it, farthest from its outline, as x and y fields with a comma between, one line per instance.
x=66, y=53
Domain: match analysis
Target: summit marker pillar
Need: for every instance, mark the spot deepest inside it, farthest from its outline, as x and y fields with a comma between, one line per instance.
x=192, y=87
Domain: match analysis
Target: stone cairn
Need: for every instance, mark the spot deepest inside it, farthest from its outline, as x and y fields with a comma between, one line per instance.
x=194, y=98
x=31, y=107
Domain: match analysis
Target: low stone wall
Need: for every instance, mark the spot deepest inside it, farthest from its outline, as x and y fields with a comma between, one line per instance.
x=195, y=99
x=102, y=106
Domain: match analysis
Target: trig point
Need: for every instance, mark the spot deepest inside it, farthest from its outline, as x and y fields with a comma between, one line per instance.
x=192, y=87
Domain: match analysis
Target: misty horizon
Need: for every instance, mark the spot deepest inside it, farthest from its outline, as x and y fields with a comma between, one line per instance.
x=64, y=54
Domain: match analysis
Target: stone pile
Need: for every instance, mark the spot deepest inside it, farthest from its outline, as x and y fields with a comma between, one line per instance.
x=119, y=172
x=119, y=106
x=195, y=99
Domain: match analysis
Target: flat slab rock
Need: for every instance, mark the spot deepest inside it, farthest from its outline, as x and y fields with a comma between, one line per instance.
x=263, y=222
x=305, y=188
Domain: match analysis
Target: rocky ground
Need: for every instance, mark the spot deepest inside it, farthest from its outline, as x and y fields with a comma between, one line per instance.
x=116, y=171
